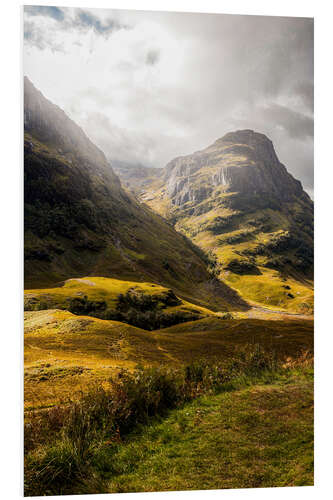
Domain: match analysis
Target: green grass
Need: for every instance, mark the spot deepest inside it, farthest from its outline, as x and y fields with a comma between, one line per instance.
x=95, y=288
x=268, y=290
x=261, y=436
x=250, y=424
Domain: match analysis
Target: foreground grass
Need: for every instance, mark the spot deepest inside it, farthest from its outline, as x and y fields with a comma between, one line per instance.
x=260, y=436
x=244, y=423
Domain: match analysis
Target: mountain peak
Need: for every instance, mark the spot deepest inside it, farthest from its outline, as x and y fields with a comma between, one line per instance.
x=242, y=161
x=49, y=124
x=245, y=136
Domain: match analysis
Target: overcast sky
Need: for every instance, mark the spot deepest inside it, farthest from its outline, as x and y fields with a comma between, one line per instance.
x=147, y=87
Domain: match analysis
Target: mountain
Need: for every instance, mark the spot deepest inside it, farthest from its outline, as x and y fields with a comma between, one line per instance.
x=134, y=176
x=79, y=221
x=236, y=200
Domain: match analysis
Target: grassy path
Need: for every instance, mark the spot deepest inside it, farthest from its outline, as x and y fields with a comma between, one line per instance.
x=260, y=436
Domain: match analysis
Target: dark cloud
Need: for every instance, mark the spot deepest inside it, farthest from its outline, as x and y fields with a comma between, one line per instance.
x=305, y=92
x=38, y=10
x=297, y=125
x=152, y=57
x=86, y=20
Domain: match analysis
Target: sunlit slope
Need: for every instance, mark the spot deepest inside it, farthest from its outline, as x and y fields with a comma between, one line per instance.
x=65, y=353
x=236, y=201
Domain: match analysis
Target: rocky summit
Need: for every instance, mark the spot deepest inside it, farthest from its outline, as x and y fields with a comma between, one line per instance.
x=242, y=161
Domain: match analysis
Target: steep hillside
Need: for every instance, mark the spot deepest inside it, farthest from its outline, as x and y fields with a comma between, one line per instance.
x=79, y=221
x=236, y=200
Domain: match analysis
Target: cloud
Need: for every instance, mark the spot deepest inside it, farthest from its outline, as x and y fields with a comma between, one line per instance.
x=152, y=57
x=297, y=125
x=86, y=20
x=305, y=92
x=36, y=37
x=175, y=82
x=53, y=12
x=43, y=23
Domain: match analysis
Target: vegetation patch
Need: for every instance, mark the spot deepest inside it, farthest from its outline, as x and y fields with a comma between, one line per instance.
x=241, y=266
x=144, y=305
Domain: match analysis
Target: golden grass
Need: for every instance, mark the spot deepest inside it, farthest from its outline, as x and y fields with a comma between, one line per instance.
x=65, y=354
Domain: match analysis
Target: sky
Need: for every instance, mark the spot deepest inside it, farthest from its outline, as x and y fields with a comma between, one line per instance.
x=149, y=86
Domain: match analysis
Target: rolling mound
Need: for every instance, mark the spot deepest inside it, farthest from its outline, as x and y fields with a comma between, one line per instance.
x=65, y=354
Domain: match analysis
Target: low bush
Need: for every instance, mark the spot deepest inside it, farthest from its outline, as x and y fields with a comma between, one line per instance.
x=242, y=267
x=147, y=311
x=226, y=316
x=81, y=305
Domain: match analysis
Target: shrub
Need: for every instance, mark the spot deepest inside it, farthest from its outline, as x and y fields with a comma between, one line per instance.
x=146, y=311
x=81, y=305
x=53, y=470
x=227, y=315
x=242, y=267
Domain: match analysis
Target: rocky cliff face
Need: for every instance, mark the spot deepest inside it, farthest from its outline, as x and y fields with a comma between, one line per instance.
x=242, y=161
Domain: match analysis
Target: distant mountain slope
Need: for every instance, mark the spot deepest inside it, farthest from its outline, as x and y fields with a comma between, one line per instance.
x=79, y=221
x=135, y=177
x=238, y=201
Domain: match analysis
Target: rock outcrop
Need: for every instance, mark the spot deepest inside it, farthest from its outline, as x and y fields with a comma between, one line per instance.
x=242, y=161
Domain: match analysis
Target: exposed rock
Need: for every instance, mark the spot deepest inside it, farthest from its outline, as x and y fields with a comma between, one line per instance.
x=242, y=161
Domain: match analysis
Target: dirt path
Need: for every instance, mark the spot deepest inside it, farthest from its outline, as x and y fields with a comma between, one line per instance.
x=82, y=280
x=165, y=353
x=258, y=311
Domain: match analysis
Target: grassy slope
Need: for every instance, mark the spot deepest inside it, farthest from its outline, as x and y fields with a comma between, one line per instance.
x=212, y=337
x=266, y=288
x=65, y=353
x=260, y=436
